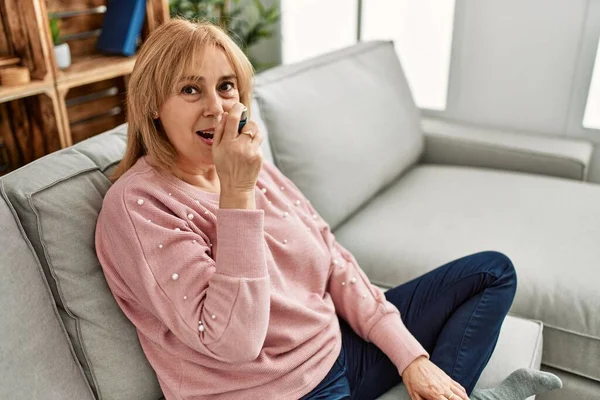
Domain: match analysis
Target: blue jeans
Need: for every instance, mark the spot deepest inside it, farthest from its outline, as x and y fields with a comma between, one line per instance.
x=454, y=311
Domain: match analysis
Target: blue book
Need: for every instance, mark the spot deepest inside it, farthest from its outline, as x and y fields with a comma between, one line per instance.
x=123, y=22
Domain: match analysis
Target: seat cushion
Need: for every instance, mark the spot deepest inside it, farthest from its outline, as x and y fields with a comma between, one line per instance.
x=519, y=346
x=549, y=227
x=36, y=358
x=57, y=199
x=342, y=125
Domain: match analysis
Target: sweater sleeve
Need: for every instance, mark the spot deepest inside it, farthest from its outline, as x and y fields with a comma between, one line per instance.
x=366, y=309
x=215, y=301
x=361, y=304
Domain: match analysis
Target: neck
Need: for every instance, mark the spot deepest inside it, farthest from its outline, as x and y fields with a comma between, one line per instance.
x=204, y=176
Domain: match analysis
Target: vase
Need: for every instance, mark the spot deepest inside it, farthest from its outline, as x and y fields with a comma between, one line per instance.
x=63, y=55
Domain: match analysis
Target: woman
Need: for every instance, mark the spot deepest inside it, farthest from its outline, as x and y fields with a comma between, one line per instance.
x=235, y=283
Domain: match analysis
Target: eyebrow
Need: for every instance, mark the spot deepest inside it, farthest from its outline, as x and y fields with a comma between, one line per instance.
x=201, y=78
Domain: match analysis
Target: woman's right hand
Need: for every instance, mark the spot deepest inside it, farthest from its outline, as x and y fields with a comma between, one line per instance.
x=426, y=381
x=237, y=158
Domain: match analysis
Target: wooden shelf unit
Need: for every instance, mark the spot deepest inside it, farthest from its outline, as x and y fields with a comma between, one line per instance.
x=10, y=93
x=83, y=100
x=29, y=129
x=84, y=73
x=24, y=34
x=30, y=119
x=93, y=69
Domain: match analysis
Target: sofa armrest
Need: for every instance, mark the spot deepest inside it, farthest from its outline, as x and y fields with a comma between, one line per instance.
x=451, y=143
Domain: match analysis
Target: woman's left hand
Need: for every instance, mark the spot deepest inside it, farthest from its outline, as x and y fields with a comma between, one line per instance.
x=425, y=381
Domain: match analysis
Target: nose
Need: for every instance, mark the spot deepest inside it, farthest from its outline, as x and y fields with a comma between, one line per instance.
x=213, y=105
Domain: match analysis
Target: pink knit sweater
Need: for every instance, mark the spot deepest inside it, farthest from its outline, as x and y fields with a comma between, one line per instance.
x=237, y=304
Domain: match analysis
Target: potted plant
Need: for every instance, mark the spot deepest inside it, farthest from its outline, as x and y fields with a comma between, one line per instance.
x=62, y=51
x=247, y=25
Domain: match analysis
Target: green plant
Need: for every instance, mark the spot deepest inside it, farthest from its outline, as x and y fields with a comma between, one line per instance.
x=55, y=30
x=246, y=25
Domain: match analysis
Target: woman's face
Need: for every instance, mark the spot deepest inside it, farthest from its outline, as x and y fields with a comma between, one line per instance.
x=208, y=89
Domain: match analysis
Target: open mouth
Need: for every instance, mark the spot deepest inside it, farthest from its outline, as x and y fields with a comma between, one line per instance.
x=206, y=135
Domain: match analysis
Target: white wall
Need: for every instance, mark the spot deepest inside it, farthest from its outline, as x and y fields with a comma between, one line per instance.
x=525, y=66
x=594, y=174
x=422, y=34
x=514, y=63
x=314, y=27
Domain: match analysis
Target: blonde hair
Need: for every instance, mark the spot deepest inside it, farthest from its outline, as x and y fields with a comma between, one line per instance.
x=162, y=62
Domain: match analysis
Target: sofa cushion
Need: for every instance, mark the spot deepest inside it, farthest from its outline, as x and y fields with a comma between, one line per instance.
x=549, y=227
x=57, y=199
x=519, y=346
x=257, y=117
x=33, y=336
x=342, y=126
x=475, y=146
x=575, y=387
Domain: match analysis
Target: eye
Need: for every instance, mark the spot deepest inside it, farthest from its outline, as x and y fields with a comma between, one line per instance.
x=190, y=90
x=227, y=86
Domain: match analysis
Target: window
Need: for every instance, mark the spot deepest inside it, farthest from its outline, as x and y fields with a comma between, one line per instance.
x=422, y=34
x=313, y=27
x=591, y=117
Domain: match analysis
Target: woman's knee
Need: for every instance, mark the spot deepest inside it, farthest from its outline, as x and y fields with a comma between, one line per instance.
x=501, y=266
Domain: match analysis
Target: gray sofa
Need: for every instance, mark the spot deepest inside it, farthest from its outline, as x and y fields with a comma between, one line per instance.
x=404, y=194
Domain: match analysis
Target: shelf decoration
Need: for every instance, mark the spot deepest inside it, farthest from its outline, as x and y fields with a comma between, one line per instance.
x=14, y=76
x=122, y=26
x=62, y=51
